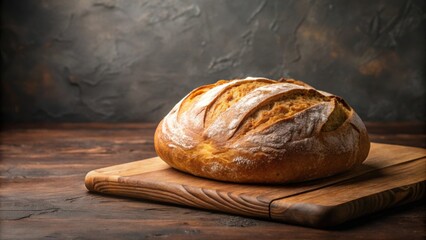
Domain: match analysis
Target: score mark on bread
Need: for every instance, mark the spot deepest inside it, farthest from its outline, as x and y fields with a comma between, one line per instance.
x=258, y=130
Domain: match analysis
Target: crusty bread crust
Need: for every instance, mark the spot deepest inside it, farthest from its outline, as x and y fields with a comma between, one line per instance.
x=257, y=130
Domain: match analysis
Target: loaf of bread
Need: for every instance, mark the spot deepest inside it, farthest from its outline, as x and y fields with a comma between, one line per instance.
x=257, y=130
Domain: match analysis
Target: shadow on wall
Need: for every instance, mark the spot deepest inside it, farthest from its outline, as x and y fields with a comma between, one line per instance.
x=106, y=60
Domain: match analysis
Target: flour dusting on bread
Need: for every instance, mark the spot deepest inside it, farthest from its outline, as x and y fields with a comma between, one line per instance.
x=259, y=130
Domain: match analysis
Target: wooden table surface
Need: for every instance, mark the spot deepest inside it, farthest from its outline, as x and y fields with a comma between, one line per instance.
x=43, y=195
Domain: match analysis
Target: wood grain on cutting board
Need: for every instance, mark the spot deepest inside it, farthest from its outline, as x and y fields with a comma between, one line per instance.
x=391, y=175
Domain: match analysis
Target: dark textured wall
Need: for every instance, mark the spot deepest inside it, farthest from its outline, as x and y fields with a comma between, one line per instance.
x=106, y=60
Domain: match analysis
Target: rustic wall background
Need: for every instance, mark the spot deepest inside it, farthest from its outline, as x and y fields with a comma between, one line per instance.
x=106, y=60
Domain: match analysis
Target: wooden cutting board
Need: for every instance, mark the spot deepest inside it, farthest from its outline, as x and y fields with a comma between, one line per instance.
x=392, y=175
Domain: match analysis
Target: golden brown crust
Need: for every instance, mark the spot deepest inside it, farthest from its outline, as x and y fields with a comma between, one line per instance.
x=257, y=130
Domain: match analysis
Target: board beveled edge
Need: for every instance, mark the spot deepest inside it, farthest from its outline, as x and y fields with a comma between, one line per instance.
x=89, y=180
x=183, y=195
x=305, y=214
x=319, y=216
